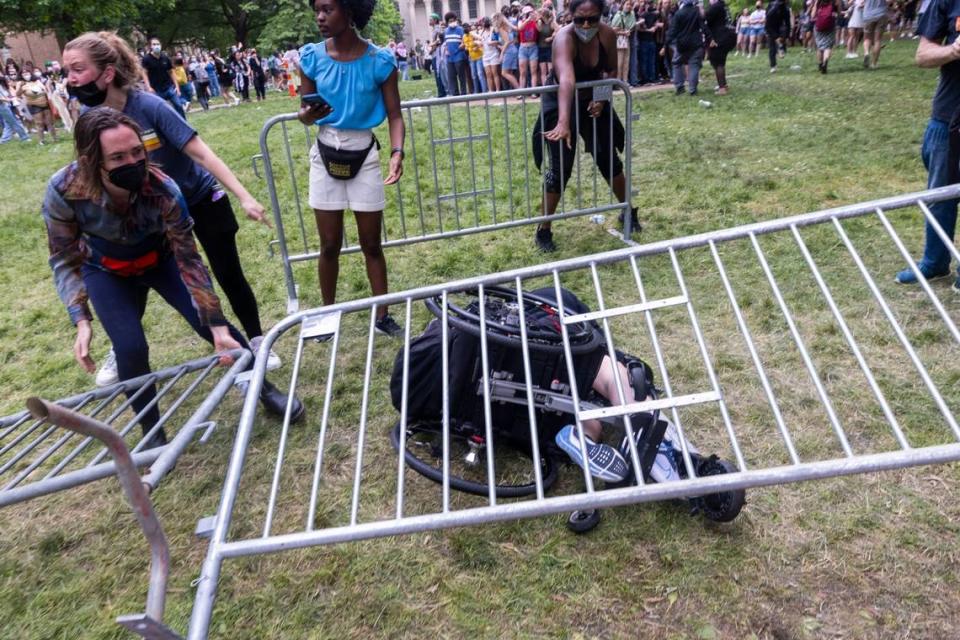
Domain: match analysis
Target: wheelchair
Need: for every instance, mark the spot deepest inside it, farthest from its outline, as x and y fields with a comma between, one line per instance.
x=505, y=454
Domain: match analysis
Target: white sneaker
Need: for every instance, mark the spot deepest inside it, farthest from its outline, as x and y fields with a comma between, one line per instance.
x=273, y=360
x=107, y=375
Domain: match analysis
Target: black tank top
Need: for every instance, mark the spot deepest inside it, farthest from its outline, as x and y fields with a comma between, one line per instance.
x=581, y=73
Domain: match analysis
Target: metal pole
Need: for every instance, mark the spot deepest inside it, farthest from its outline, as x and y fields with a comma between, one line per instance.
x=136, y=493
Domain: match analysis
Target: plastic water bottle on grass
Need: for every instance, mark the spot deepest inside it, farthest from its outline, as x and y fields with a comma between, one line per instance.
x=706, y=104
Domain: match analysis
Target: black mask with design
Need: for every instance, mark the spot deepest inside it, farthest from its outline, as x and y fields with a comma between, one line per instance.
x=88, y=94
x=129, y=176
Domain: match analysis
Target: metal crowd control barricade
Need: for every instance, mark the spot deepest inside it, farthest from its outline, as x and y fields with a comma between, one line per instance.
x=36, y=459
x=784, y=345
x=458, y=150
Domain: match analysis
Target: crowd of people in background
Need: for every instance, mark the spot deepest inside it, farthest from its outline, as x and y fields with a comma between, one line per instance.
x=512, y=48
x=35, y=99
x=658, y=42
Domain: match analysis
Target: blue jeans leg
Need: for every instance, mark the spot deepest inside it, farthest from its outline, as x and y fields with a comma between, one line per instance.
x=679, y=77
x=120, y=302
x=11, y=125
x=633, y=74
x=170, y=95
x=214, y=86
x=694, y=63
x=648, y=56
x=935, y=154
x=479, y=77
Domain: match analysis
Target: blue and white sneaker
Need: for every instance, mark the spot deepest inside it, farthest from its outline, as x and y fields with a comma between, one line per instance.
x=664, y=467
x=603, y=461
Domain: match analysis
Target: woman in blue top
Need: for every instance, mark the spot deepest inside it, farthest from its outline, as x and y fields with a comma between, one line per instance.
x=358, y=84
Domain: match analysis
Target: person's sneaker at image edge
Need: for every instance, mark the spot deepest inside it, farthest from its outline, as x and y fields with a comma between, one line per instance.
x=603, y=461
x=273, y=360
x=956, y=285
x=387, y=326
x=907, y=276
x=544, y=240
x=107, y=374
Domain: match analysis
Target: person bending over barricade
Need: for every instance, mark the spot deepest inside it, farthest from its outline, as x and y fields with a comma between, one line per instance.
x=582, y=51
x=118, y=227
x=103, y=70
x=348, y=86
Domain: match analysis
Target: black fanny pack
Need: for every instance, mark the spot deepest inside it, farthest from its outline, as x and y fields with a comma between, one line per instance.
x=344, y=164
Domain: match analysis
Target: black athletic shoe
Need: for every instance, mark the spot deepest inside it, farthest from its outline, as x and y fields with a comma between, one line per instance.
x=274, y=402
x=680, y=91
x=159, y=439
x=635, y=226
x=544, y=240
x=387, y=326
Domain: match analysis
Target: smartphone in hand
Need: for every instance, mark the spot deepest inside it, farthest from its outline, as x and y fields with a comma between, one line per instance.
x=314, y=100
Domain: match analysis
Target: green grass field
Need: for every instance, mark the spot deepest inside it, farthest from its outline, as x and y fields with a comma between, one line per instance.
x=871, y=556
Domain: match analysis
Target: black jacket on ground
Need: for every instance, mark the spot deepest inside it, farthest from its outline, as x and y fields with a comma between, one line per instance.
x=685, y=33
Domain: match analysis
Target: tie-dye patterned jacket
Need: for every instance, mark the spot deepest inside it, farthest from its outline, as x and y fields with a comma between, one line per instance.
x=76, y=221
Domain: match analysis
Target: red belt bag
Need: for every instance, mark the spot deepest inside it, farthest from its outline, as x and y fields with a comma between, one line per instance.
x=134, y=267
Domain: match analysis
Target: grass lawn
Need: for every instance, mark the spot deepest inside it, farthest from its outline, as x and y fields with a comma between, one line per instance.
x=871, y=556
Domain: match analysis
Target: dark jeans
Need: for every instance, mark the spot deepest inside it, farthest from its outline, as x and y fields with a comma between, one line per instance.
x=694, y=59
x=648, y=61
x=170, y=95
x=935, y=153
x=215, y=227
x=457, y=77
x=120, y=302
x=633, y=74
x=441, y=85
x=260, y=86
x=203, y=94
x=772, y=50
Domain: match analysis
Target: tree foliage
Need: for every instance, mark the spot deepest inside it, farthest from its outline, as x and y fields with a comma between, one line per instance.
x=293, y=23
x=385, y=23
x=269, y=23
x=70, y=18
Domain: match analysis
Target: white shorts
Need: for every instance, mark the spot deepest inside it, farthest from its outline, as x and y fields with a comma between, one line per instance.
x=363, y=192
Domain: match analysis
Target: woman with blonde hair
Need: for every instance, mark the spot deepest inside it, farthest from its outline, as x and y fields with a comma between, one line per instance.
x=103, y=70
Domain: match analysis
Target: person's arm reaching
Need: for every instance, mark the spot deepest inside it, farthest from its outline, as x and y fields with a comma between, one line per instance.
x=563, y=68
x=66, y=257
x=200, y=153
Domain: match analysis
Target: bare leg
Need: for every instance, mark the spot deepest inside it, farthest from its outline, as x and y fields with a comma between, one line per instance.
x=605, y=384
x=330, y=226
x=368, y=227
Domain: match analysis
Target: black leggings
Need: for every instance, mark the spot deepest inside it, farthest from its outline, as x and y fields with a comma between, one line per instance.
x=215, y=227
x=260, y=85
x=562, y=159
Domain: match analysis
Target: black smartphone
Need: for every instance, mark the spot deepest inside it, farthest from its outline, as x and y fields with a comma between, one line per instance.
x=314, y=99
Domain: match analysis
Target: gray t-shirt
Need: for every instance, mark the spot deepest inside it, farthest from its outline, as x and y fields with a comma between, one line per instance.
x=874, y=10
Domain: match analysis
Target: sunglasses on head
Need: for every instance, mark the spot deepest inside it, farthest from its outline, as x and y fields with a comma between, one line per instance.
x=586, y=19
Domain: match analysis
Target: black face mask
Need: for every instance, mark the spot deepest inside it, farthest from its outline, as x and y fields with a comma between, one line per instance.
x=129, y=176
x=88, y=94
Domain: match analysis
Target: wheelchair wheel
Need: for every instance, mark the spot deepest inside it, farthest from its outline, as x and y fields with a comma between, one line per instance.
x=582, y=521
x=503, y=321
x=719, y=507
x=514, y=473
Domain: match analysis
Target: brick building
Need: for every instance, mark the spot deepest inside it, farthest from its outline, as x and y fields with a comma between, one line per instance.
x=34, y=46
